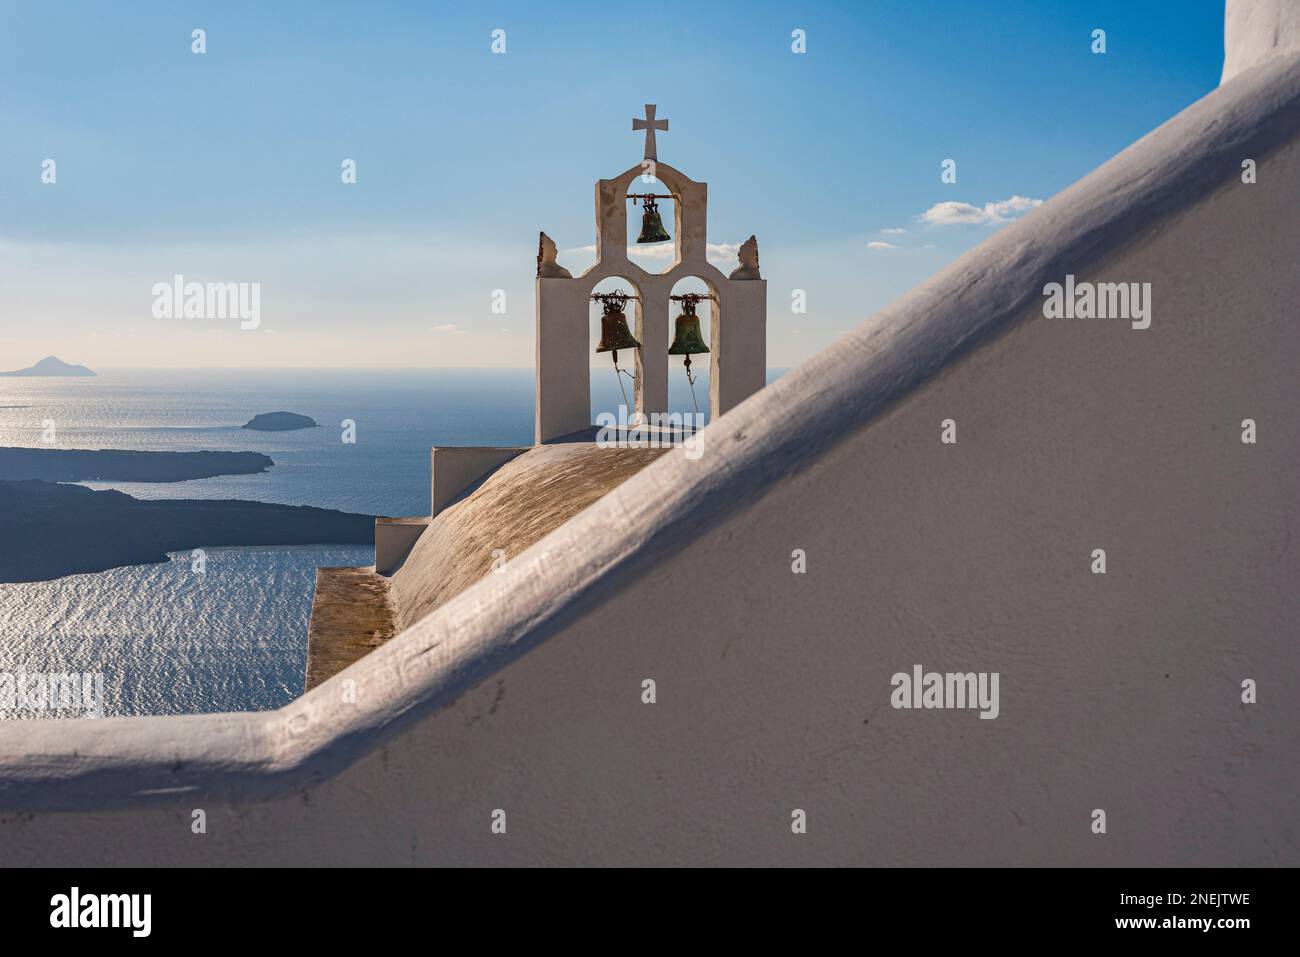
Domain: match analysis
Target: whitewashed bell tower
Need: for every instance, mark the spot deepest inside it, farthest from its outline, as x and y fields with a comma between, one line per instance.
x=738, y=327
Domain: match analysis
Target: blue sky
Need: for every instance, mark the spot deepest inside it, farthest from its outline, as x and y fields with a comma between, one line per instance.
x=225, y=166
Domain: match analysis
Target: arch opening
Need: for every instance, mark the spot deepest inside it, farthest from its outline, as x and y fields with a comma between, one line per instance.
x=613, y=371
x=691, y=327
x=654, y=257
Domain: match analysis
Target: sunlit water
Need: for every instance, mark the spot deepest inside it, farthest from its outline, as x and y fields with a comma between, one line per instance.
x=169, y=640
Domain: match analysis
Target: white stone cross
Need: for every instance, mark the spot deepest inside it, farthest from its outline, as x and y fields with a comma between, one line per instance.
x=649, y=124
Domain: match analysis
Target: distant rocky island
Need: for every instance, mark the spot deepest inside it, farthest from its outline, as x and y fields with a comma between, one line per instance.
x=280, y=422
x=51, y=366
x=52, y=530
x=117, y=465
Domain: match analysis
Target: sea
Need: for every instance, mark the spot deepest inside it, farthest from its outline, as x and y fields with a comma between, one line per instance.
x=230, y=634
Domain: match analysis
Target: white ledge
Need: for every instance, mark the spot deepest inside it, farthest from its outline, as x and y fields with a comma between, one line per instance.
x=115, y=762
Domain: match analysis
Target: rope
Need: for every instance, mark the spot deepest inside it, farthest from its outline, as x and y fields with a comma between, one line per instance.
x=618, y=374
x=690, y=378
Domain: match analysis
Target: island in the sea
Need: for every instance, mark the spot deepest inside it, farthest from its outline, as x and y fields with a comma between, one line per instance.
x=121, y=465
x=52, y=530
x=280, y=422
x=51, y=366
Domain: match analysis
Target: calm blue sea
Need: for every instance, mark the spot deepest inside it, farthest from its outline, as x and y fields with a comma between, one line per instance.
x=168, y=640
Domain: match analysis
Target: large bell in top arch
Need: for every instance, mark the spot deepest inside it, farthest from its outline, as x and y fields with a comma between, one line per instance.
x=652, y=225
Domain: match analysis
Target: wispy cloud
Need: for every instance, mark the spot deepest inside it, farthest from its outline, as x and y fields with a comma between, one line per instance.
x=879, y=245
x=893, y=231
x=449, y=327
x=953, y=213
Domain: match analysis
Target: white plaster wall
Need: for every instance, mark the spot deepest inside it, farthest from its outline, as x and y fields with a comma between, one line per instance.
x=738, y=341
x=1118, y=692
x=394, y=539
x=562, y=389
x=456, y=468
x=1258, y=30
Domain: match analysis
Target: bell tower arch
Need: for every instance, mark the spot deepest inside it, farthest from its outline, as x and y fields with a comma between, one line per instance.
x=738, y=334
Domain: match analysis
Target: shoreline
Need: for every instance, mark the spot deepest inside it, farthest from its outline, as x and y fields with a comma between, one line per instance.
x=53, y=530
x=121, y=465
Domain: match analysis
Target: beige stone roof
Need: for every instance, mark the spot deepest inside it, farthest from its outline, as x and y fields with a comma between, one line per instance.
x=519, y=504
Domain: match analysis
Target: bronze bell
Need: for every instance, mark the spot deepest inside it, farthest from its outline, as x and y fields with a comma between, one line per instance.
x=614, y=333
x=652, y=226
x=687, y=339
